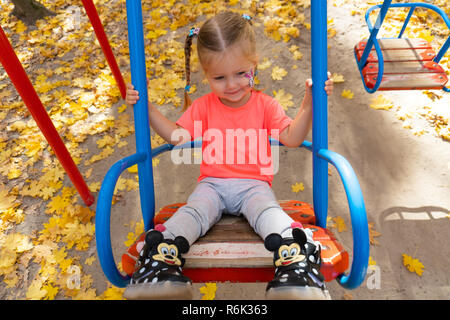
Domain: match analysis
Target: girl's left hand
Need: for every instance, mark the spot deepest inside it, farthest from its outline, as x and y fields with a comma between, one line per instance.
x=329, y=85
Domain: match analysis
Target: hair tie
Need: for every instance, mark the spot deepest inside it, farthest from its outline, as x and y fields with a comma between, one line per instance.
x=246, y=17
x=187, y=88
x=194, y=32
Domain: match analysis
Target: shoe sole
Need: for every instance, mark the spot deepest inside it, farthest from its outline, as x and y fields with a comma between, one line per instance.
x=167, y=290
x=297, y=293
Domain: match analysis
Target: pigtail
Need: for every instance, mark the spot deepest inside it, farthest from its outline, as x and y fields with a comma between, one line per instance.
x=187, y=54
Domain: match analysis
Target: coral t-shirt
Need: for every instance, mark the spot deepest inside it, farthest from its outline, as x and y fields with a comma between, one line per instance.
x=235, y=141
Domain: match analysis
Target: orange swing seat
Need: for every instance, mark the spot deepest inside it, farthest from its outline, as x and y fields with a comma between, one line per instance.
x=232, y=251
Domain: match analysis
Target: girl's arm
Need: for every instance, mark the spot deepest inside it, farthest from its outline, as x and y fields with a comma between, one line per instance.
x=163, y=126
x=296, y=132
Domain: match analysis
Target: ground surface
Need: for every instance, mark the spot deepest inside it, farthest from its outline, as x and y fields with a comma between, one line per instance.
x=402, y=163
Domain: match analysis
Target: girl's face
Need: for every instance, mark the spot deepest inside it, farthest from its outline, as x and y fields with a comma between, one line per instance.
x=226, y=74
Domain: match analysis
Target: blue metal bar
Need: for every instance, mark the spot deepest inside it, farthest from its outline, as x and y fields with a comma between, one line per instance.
x=103, y=219
x=320, y=105
x=440, y=54
x=410, y=13
x=198, y=144
x=359, y=220
x=373, y=31
x=410, y=5
x=443, y=51
x=142, y=126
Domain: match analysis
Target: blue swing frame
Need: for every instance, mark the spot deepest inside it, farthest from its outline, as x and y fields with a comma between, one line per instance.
x=319, y=149
x=384, y=8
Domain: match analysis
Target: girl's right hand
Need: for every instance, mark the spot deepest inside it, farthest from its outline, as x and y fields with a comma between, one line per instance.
x=132, y=95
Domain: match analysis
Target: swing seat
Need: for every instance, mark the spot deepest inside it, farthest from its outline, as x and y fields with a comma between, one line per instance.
x=232, y=251
x=408, y=65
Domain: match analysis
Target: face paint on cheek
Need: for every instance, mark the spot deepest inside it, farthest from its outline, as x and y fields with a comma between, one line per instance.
x=251, y=78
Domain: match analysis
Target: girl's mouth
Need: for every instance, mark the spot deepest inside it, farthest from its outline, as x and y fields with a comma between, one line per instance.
x=232, y=92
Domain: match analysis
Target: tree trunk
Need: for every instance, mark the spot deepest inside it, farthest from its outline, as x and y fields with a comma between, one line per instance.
x=29, y=11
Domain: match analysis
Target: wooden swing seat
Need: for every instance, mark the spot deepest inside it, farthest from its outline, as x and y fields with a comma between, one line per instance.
x=408, y=65
x=232, y=251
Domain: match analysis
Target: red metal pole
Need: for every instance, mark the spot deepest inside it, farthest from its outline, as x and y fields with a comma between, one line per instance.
x=19, y=78
x=104, y=43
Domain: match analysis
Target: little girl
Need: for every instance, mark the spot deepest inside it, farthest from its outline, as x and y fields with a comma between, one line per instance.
x=234, y=177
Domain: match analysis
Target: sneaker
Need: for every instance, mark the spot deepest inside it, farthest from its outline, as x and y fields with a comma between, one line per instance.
x=158, y=273
x=297, y=273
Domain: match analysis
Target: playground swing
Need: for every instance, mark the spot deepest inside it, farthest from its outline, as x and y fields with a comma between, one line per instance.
x=400, y=63
x=231, y=251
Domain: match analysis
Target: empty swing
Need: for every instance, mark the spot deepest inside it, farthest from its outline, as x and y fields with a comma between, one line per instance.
x=400, y=63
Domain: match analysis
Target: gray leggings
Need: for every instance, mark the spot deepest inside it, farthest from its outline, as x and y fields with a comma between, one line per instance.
x=214, y=196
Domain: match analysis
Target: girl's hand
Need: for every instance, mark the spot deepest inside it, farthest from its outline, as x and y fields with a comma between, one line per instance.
x=132, y=96
x=329, y=85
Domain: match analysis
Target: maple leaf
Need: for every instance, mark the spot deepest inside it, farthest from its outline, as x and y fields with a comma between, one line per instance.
x=372, y=234
x=35, y=290
x=95, y=186
x=297, y=187
x=133, y=169
x=413, y=265
x=381, y=103
x=50, y=292
x=337, y=78
x=58, y=204
x=106, y=141
x=284, y=98
x=265, y=64
x=348, y=94
x=340, y=224
x=113, y=293
x=90, y=260
x=6, y=199
x=122, y=108
x=278, y=73
x=208, y=291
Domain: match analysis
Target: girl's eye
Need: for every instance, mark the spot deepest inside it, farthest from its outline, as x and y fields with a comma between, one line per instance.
x=218, y=78
x=241, y=73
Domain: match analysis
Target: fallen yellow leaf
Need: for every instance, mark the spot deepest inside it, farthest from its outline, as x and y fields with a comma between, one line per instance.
x=297, y=187
x=284, y=98
x=337, y=78
x=348, y=94
x=381, y=103
x=340, y=224
x=372, y=234
x=278, y=73
x=208, y=291
x=413, y=265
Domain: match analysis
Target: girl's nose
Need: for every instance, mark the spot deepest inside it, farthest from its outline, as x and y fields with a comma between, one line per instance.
x=232, y=84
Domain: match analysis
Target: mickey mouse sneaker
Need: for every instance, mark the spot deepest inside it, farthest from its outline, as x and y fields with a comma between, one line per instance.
x=297, y=273
x=158, y=273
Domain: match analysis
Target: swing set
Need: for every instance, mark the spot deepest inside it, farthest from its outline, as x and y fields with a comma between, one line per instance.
x=400, y=63
x=231, y=251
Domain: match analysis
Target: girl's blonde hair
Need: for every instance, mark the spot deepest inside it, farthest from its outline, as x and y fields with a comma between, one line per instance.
x=216, y=35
